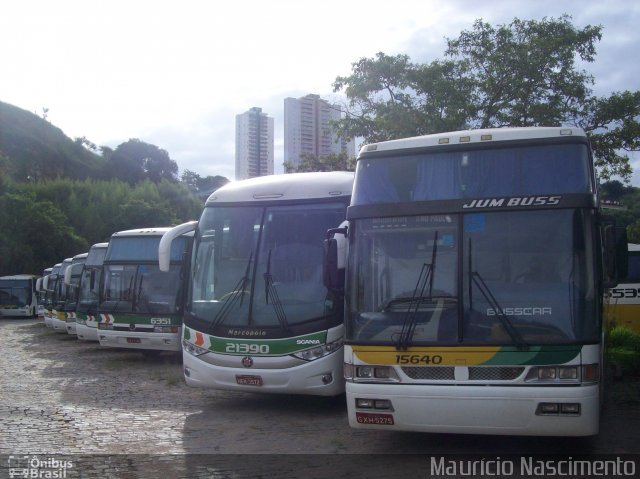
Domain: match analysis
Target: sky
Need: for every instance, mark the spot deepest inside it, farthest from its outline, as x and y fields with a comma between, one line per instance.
x=175, y=74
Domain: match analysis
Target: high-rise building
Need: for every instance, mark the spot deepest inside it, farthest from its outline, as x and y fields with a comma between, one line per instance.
x=307, y=129
x=254, y=144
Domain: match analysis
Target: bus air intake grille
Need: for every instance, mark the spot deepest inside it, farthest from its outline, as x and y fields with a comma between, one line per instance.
x=491, y=373
x=437, y=373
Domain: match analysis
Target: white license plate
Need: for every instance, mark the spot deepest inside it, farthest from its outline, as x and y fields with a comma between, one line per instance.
x=246, y=380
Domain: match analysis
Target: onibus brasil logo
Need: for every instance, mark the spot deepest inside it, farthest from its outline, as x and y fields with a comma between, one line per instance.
x=38, y=467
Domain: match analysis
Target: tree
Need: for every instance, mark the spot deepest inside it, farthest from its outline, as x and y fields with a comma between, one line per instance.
x=330, y=162
x=197, y=184
x=135, y=161
x=520, y=74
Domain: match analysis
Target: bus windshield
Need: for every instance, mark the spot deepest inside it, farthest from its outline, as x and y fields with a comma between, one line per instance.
x=89, y=291
x=141, y=289
x=507, y=278
x=15, y=293
x=457, y=173
x=262, y=266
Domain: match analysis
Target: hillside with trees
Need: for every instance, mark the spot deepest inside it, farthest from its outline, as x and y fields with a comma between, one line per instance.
x=35, y=150
x=59, y=196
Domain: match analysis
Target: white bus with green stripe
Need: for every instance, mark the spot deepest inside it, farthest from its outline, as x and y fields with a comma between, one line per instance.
x=139, y=306
x=48, y=285
x=257, y=316
x=475, y=281
x=89, y=292
x=60, y=291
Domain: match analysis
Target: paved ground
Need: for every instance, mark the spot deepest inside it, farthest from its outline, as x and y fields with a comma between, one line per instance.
x=119, y=413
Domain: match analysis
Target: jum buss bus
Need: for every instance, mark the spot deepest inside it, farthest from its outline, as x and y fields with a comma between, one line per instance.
x=258, y=317
x=474, y=285
x=139, y=306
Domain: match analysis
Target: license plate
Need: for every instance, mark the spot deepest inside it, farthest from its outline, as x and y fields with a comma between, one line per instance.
x=133, y=340
x=249, y=380
x=373, y=418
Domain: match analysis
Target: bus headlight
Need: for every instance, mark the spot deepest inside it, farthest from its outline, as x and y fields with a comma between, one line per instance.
x=563, y=374
x=193, y=349
x=319, y=351
x=165, y=329
x=370, y=373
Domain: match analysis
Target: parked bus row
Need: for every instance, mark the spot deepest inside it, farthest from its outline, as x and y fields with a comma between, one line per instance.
x=455, y=283
x=115, y=293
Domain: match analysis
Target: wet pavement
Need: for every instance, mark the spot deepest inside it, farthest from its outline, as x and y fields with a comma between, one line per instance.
x=119, y=413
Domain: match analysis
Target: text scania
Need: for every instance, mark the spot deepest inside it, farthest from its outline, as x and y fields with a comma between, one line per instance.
x=308, y=341
x=515, y=201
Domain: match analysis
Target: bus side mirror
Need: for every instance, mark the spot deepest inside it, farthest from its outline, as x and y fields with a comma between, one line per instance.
x=616, y=255
x=333, y=274
x=92, y=280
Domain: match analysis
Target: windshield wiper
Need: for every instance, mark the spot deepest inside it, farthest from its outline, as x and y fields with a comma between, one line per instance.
x=232, y=298
x=475, y=278
x=411, y=317
x=270, y=290
x=419, y=299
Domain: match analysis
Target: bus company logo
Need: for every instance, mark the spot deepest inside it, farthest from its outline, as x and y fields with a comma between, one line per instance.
x=524, y=311
x=247, y=332
x=308, y=341
x=132, y=327
x=35, y=466
x=515, y=201
x=247, y=361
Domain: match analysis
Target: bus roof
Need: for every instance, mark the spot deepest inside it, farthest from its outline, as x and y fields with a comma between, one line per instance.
x=79, y=257
x=465, y=137
x=290, y=186
x=19, y=276
x=99, y=246
x=159, y=231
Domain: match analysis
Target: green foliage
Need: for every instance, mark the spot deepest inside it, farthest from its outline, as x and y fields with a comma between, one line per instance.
x=199, y=185
x=135, y=161
x=36, y=150
x=621, y=337
x=521, y=74
x=33, y=233
x=629, y=216
x=57, y=197
x=43, y=223
x=330, y=162
x=624, y=350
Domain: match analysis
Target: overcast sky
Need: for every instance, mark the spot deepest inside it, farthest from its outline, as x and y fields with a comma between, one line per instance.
x=175, y=73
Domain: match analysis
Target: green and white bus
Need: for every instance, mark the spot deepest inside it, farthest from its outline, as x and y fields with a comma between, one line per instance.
x=258, y=317
x=475, y=281
x=139, y=306
x=41, y=292
x=48, y=285
x=72, y=282
x=60, y=291
x=89, y=293
x=18, y=296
